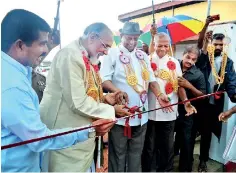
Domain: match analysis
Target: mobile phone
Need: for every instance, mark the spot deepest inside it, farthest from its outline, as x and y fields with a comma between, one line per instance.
x=215, y=17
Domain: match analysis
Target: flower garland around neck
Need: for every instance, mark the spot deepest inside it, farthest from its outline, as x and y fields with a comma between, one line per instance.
x=131, y=77
x=93, y=80
x=211, y=53
x=168, y=75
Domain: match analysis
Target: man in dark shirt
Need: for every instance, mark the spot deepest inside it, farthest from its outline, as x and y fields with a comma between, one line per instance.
x=215, y=104
x=194, y=83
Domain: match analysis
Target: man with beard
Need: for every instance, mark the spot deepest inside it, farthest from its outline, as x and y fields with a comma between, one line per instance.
x=127, y=69
x=219, y=73
x=24, y=36
x=73, y=96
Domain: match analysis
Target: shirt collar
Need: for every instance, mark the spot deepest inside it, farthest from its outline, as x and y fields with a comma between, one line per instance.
x=164, y=57
x=81, y=47
x=123, y=49
x=26, y=70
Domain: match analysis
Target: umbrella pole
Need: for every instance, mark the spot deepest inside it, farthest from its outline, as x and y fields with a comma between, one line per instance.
x=208, y=7
x=171, y=51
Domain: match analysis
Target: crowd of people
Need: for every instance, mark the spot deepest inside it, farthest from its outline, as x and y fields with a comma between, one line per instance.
x=91, y=83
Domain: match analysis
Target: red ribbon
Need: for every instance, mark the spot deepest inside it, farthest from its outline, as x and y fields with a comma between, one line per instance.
x=84, y=128
x=127, y=129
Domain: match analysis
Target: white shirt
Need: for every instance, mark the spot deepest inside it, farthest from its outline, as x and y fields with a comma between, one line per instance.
x=52, y=54
x=159, y=115
x=112, y=69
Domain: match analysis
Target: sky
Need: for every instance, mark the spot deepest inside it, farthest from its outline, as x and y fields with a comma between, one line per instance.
x=76, y=15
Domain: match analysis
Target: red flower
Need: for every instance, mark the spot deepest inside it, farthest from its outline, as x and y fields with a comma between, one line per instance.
x=171, y=65
x=154, y=66
x=168, y=88
x=95, y=67
x=86, y=62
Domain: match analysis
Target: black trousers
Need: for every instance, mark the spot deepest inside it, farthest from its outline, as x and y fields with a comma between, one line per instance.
x=185, y=140
x=124, y=153
x=159, y=142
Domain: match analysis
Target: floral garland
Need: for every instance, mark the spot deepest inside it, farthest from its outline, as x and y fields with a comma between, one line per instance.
x=169, y=76
x=131, y=77
x=211, y=53
x=94, y=82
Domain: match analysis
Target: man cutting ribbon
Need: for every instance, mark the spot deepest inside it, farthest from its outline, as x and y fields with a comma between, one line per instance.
x=128, y=70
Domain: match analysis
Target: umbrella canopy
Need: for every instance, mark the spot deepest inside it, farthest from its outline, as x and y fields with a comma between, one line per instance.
x=178, y=27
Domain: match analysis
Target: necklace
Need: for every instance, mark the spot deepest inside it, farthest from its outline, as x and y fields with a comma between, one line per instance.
x=94, y=81
x=167, y=75
x=211, y=51
x=131, y=77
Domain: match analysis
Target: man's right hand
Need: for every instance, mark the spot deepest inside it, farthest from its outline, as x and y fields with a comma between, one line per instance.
x=103, y=126
x=153, y=30
x=209, y=19
x=122, y=98
x=208, y=36
x=120, y=111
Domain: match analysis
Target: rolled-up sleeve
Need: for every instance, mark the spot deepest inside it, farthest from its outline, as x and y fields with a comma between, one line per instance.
x=21, y=117
x=107, y=68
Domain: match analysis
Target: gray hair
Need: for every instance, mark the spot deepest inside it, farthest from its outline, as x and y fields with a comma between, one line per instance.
x=191, y=49
x=161, y=35
x=96, y=28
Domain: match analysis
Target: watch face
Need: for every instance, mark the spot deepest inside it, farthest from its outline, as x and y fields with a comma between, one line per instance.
x=226, y=40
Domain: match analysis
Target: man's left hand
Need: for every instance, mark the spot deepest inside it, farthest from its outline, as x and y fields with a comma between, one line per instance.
x=164, y=101
x=182, y=82
x=190, y=109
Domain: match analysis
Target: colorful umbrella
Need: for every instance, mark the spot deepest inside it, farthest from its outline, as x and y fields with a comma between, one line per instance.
x=178, y=27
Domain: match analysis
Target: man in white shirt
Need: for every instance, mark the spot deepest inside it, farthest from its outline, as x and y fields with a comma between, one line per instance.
x=160, y=132
x=127, y=69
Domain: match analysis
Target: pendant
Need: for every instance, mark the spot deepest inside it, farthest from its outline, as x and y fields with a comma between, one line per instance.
x=143, y=96
x=93, y=92
x=164, y=74
x=124, y=59
x=175, y=85
x=145, y=74
x=139, y=55
x=132, y=80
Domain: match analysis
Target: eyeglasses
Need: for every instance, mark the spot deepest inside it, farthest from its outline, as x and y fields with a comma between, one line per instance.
x=104, y=45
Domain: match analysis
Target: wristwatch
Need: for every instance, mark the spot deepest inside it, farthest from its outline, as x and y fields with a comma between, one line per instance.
x=92, y=132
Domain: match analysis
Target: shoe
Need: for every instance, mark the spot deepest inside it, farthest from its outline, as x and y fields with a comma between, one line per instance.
x=202, y=167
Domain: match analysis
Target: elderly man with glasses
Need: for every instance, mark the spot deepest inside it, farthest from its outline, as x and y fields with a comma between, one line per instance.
x=74, y=96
